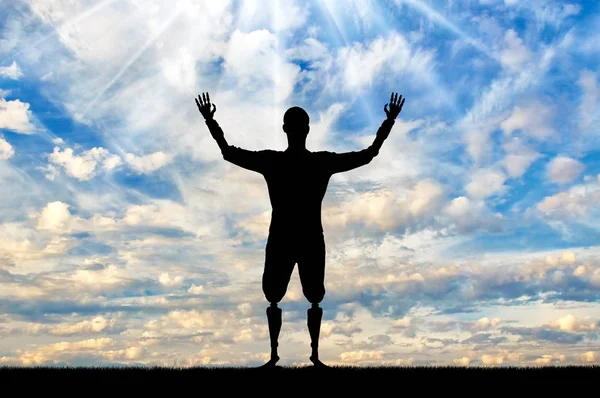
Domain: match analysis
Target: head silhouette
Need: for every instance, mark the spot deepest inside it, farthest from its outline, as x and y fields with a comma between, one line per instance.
x=295, y=121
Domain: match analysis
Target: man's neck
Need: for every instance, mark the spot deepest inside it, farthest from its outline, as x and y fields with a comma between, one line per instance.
x=296, y=149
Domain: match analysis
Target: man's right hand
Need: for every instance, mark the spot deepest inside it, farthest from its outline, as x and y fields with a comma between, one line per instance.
x=203, y=103
x=396, y=105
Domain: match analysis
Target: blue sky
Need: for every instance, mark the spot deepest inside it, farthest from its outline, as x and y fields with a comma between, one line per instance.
x=470, y=240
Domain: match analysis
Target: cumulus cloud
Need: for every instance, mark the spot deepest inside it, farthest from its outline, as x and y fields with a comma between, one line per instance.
x=563, y=169
x=83, y=167
x=406, y=325
x=245, y=309
x=148, y=163
x=129, y=353
x=6, y=150
x=515, y=54
x=486, y=323
x=485, y=183
x=492, y=359
x=169, y=281
x=52, y=352
x=570, y=323
x=577, y=201
x=11, y=72
x=196, y=289
x=186, y=319
x=385, y=209
x=544, y=360
x=95, y=325
x=55, y=217
x=464, y=361
x=16, y=116
x=328, y=329
x=518, y=157
x=589, y=357
x=361, y=356
x=533, y=119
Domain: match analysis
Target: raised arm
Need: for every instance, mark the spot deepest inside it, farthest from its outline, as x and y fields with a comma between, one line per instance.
x=340, y=162
x=250, y=160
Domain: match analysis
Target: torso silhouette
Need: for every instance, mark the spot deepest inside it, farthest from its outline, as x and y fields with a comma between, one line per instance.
x=297, y=182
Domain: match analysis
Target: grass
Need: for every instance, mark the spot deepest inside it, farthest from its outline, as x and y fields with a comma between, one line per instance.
x=348, y=378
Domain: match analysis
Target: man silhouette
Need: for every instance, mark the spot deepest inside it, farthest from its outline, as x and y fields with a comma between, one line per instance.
x=297, y=180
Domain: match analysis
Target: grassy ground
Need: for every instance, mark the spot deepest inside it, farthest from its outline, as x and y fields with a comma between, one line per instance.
x=308, y=378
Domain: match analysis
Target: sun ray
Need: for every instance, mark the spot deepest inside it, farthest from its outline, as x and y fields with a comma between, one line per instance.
x=435, y=16
x=346, y=42
x=65, y=25
x=132, y=60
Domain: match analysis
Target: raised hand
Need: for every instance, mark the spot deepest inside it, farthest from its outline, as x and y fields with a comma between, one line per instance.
x=203, y=104
x=396, y=104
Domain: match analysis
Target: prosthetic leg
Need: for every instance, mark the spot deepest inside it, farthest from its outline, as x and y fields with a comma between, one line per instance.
x=274, y=318
x=314, y=315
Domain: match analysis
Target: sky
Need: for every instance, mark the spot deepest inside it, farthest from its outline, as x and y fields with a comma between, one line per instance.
x=470, y=240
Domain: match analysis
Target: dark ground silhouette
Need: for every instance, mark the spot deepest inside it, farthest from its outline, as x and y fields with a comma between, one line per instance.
x=297, y=181
x=309, y=380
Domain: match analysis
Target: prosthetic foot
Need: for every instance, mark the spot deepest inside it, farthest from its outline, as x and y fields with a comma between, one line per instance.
x=274, y=318
x=315, y=313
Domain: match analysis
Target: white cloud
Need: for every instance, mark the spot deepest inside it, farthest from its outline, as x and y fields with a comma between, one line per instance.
x=83, y=167
x=166, y=280
x=588, y=110
x=328, y=328
x=360, y=356
x=11, y=72
x=363, y=65
x=578, y=201
x=245, y=309
x=195, y=289
x=533, y=119
x=486, y=182
x=127, y=353
x=187, y=319
x=489, y=109
x=492, y=360
x=468, y=214
x=50, y=171
x=95, y=325
x=570, y=323
x=563, y=169
x=55, y=217
x=515, y=54
x=568, y=257
x=589, y=357
x=544, y=360
x=518, y=158
x=385, y=209
x=98, y=280
x=51, y=352
x=253, y=60
x=6, y=150
x=148, y=163
x=464, y=361
x=15, y=116
x=486, y=323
